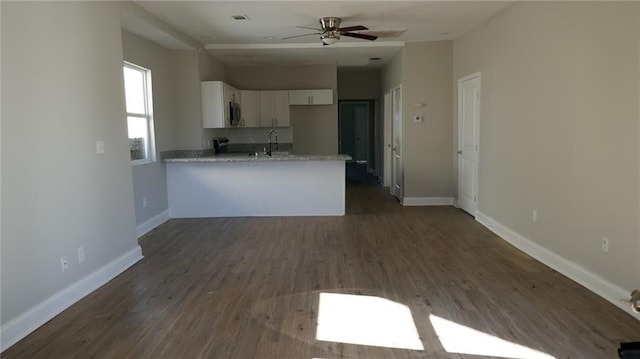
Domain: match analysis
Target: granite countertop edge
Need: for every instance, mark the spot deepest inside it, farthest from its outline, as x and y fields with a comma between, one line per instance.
x=205, y=158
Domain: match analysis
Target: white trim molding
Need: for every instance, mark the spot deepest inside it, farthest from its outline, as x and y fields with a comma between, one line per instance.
x=427, y=201
x=18, y=328
x=152, y=223
x=598, y=285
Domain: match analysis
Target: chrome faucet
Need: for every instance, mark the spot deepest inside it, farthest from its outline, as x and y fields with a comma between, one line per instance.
x=272, y=132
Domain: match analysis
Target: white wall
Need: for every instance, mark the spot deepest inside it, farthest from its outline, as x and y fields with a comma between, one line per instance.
x=559, y=128
x=62, y=90
x=315, y=128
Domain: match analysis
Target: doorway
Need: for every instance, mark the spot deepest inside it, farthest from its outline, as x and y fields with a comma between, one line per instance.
x=468, y=144
x=354, y=119
x=356, y=138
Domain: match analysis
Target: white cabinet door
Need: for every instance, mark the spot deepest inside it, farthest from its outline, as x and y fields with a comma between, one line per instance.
x=311, y=97
x=321, y=97
x=216, y=96
x=214, y=111
x=299, y=97
x=274, y=109
x=250, y=108
x=281, y=108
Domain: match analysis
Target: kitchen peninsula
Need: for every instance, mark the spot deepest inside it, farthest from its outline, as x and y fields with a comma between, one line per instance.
x=237, y=185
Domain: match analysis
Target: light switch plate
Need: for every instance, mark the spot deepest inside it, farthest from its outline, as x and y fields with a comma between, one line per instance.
x=418, y=119
x=99, y=147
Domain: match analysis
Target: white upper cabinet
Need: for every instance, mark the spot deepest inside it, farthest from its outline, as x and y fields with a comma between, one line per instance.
x=216, y=96
x=274, y=109
x=250, y=108
x=311, y=97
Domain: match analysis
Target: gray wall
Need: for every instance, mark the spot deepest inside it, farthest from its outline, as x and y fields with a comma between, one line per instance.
x=427, y=69
x=176, y=76
x=62, y=90
x=559, y=128
x=187, y=121
x=149, y=179
x=391, y=75
x=190, y=67
x=315, y=128
x=359, y=84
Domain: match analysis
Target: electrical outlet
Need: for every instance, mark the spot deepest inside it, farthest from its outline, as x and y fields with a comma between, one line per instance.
x=144, y=202
x=64, y=265
x=605, y=244
x=80, y=254
x=534, y=216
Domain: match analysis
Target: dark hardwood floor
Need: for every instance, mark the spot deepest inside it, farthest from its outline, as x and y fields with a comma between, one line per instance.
x=250, y=287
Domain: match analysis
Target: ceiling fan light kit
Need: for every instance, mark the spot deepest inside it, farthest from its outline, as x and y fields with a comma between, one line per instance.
x=330, y=38
x=331, y=31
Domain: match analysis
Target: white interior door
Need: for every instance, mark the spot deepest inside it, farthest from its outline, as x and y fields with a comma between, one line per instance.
x=468, y=146
x=396, y=185
x=386, y=175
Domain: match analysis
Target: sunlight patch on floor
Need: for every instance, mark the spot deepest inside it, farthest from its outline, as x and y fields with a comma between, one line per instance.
x=457, y=338
x=366, y=320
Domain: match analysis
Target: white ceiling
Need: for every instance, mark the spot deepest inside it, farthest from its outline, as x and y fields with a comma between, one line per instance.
x=258, y=41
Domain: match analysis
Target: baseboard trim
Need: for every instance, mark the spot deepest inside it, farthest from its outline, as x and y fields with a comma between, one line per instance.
x=18, y=328
x=152, y=223
x=598, y=285
x=427, y=201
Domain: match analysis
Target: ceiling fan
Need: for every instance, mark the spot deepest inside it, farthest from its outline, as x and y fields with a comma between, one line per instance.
x=331, y=31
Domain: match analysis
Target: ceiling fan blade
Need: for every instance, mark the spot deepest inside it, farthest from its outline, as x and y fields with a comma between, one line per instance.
x=353, y=28
x=291, y=37
x=310, y=28
x=359, y=36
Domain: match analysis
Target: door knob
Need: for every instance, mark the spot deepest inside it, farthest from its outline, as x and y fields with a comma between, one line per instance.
x=459, y=152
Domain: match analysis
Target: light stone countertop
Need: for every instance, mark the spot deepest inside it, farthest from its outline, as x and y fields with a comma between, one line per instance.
x=245, y=157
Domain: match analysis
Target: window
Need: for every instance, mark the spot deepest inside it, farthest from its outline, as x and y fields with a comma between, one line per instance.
x=137, y=89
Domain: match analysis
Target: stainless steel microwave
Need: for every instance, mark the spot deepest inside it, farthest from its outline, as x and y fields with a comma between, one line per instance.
x=234, y=114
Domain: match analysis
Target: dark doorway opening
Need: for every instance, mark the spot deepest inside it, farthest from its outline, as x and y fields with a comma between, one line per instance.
x=356, y=121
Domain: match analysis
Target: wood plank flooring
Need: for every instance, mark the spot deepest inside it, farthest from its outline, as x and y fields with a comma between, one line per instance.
x=249, y=288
